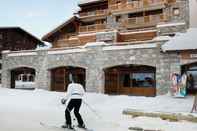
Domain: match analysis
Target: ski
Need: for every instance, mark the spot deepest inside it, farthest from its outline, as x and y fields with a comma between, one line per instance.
x=56, y=127
x=83, y=129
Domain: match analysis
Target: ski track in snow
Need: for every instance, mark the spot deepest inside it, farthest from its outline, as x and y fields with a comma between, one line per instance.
x=24, y=110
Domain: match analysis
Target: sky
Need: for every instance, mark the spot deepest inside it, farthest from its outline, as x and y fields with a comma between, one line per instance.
x=36, y=16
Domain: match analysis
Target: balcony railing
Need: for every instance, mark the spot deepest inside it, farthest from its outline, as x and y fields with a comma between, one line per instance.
x=150, y=20
x=92, y=28
x=137, y=5
x=93, y=13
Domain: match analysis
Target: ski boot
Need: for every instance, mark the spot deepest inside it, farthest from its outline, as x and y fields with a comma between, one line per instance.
x=68, y=127
x=82, y=126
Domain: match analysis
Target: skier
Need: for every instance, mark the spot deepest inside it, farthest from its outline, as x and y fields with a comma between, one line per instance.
x=74, y=96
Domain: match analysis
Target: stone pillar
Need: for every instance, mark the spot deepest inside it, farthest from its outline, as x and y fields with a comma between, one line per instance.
x=162, y=73
x=6, y=78
x=95, y=80
x=169, y=63
x=162, y=79
x=42, y=76
x=6, y=73
x=94, y=72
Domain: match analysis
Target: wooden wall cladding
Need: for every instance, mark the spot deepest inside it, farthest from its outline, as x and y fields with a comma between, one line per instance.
x=87, y=38
x=188, y=54
x=77, y=41
x=137, y=36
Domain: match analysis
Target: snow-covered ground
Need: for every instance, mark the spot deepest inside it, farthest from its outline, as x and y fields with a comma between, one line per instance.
x=24, y=110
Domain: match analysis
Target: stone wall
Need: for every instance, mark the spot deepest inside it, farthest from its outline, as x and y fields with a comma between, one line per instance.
x=94, y=59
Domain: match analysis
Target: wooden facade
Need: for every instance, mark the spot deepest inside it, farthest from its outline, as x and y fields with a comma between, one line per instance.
x=143, y=36
x=93, y=17
x=15, y=39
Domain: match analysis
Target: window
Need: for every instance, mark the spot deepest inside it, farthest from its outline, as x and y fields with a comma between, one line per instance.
x=133, y=15
x=118, y=1
x=176, y=11
x=88, y=23
x=137, y=80
x=143, y=79
x=118, y=18
x=132, y=0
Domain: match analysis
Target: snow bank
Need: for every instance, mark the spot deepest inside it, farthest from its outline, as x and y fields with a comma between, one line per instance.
x=23, y=110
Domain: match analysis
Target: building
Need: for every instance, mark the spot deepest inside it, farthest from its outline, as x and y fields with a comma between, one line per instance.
x=16, y=39
x=112, y=46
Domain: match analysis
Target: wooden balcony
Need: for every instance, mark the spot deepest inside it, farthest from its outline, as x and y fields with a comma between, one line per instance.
x=136, y=6
x=93, y=13
x=146, y=21
x=92, y=28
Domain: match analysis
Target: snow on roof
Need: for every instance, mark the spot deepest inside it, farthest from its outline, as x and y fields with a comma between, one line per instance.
x=125, y=47
x=162, y=38
x=93, y=44
x=183, y=41
x=171, y=24
x=86, y=1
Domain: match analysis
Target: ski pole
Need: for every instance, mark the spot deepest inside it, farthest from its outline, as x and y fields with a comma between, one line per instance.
x=94, y=111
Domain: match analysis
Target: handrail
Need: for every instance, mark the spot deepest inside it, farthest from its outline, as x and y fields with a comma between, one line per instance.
x=94, y=13
x=89, y=28
x=145, y=19
x=136, y=4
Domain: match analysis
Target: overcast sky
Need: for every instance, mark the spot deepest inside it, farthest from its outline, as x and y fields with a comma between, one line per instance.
x=41, y=16
x=36, y=16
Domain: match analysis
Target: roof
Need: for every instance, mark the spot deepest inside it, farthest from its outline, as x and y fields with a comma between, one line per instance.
x=83, y=2
x=182, y=41
x=24, y=31
x=51, y=33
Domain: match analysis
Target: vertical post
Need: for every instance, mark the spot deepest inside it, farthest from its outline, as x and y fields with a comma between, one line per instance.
x=95, y=80
x=42, y=75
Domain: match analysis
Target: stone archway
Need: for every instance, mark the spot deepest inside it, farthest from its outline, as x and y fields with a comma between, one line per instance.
x=131, y=80
x=23, y=77
x=60, y=77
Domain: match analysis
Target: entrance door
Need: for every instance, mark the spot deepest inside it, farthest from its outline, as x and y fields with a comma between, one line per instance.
x=23, y=78
x=60, y=77
x=191, y=70
x=131, y=80
x=111, y=83
x=58, y=80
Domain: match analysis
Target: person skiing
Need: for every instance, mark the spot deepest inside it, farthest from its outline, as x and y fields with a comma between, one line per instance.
x=74, y=96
